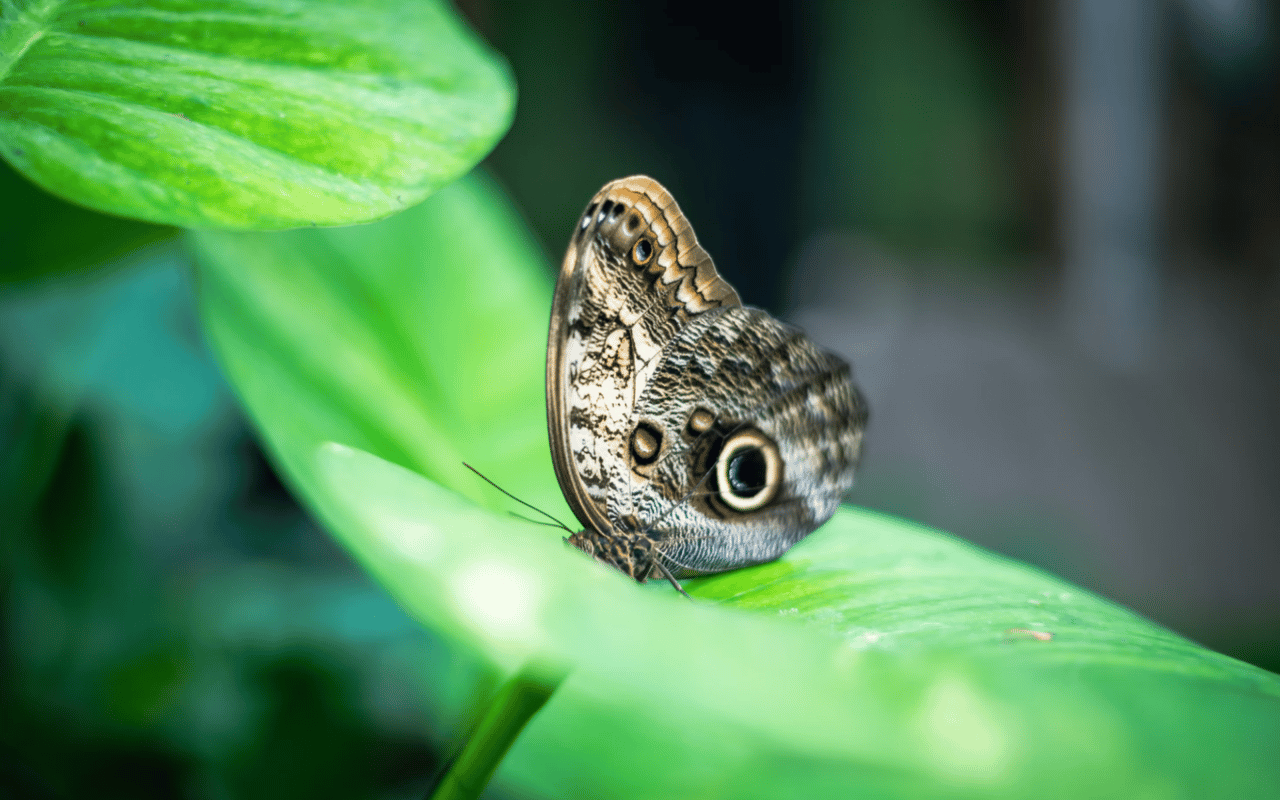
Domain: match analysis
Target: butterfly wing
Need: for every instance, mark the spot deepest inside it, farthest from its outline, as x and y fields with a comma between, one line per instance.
x=632, y=277
x=707, y=433
x=760, y=436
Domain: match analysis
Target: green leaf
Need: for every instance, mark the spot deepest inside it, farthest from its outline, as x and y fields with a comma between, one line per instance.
x=877, y=658
x=45, y=236
x=925, y=691
x=252, y=114
x=420, y=338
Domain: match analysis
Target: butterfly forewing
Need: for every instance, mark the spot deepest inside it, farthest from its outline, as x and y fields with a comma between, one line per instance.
x=633, y=275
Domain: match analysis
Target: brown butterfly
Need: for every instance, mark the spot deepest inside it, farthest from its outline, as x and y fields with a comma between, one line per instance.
x=690, y=434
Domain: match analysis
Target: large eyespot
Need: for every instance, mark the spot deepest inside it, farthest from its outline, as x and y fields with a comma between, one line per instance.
x=646, y=442
x=642, y=252
x=748, y=471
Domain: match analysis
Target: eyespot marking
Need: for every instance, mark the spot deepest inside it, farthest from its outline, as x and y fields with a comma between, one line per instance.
x=748, y=471
x=700, y=421
x=646, y=443
x=631, y=224
x=642, y=252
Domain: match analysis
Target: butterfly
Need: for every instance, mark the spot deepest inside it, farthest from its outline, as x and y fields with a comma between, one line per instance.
x=690, y=434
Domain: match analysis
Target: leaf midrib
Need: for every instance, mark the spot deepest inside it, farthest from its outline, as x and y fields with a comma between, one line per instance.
x=26, y=24
x=142, y=108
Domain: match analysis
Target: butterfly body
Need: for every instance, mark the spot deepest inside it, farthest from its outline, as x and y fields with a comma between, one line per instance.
x=690, y=434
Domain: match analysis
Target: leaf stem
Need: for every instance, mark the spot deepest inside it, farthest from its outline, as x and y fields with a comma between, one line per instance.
x=510, y=710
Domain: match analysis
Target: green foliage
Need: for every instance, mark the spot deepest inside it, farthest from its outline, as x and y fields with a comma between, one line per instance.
x=46, y=236
x=919, y=93
x=876, y=658
x=394, y=337
x=249, y=114
x=166, y=630
x=504, y=720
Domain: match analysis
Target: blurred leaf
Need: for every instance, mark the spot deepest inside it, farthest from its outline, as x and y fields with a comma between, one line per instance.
x=911, y=130
x=878, y=658
x=501, y=723
x=46, y=236
x=258, y=114
x=420, y=338
x=33, y=430
x=160, y=635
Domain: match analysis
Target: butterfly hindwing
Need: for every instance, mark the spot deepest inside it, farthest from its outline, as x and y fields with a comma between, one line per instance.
x=739, y=375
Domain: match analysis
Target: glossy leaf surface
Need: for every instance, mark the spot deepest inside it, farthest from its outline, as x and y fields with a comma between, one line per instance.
x=252, y=114
x=877, y=658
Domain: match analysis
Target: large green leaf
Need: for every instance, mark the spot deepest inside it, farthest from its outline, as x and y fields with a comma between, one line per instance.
x=877, y=658
x=933, y=687
x=254, y=114
x=420, y=338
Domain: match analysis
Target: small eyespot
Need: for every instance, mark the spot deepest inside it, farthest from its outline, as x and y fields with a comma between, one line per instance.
x=616, y=211
x=700, y=421
x=586, y=218
x=748, y=471
x=646, y=442
x=604, y=211
x=631, y=224
x=642, y=252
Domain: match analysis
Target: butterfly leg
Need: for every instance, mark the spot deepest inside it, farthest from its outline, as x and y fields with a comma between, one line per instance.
x=667, y=574
x=630, y=553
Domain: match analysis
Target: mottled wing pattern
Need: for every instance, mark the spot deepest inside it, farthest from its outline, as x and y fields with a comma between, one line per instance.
x=632, y=277
x=687, y=430
x=749, y=373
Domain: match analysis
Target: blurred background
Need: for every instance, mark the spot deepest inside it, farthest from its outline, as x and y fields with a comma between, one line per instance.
x=1046, y=234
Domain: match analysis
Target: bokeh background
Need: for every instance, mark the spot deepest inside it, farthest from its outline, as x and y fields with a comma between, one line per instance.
x=1046, y=234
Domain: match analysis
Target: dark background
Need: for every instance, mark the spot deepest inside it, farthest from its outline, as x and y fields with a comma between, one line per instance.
x=1045, y=234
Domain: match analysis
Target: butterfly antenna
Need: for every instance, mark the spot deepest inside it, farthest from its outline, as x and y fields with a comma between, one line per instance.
x=533, y=521
x=518, y=500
